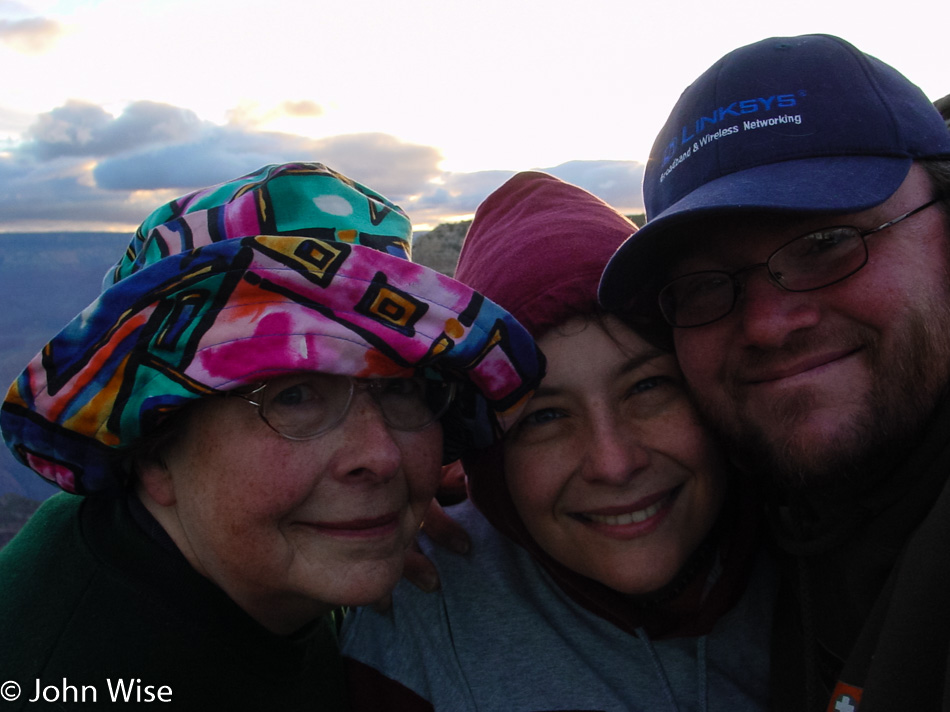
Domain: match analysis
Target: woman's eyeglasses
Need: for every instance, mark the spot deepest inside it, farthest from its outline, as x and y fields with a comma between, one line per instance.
x=309, y=405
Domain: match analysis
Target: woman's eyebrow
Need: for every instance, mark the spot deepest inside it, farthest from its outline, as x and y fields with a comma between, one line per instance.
x=625, y=367
x=635, y=362
x=546, y=391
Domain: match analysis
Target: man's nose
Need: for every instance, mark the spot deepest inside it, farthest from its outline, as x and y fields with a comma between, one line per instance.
x=768, y=313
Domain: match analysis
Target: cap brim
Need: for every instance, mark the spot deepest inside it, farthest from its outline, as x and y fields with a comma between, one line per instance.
x=838, y=184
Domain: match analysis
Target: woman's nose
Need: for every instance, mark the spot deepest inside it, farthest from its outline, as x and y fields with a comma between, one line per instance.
x=613, y=453
x=372, y=451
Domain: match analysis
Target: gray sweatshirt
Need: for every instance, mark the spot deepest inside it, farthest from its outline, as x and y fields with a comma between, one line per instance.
x=501, y=636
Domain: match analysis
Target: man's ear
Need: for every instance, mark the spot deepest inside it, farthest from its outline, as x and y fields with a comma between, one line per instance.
x=155, y=481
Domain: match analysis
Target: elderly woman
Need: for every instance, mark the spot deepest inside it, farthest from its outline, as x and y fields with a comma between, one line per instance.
x=250, y=422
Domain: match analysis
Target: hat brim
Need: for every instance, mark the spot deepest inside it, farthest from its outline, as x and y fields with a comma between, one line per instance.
x=241, y=311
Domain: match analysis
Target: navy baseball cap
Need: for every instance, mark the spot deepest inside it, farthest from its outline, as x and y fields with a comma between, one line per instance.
x=789, y=124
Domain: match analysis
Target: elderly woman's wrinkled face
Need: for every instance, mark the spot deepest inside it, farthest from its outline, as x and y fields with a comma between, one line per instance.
x=290, y=528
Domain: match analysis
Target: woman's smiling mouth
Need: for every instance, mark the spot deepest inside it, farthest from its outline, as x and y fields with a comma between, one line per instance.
x=359, y=528
x=637, y=520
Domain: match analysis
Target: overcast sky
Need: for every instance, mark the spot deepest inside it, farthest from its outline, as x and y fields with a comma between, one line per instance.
x=111, y=107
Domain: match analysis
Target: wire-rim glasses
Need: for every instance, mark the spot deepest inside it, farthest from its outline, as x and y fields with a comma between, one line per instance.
x=812, y=261
x=308, y=405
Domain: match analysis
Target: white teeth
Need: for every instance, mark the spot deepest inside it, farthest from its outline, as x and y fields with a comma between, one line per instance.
x=638, y=516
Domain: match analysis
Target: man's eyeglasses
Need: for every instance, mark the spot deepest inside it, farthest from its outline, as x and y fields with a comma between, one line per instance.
x=813, y=261
x=309, y=405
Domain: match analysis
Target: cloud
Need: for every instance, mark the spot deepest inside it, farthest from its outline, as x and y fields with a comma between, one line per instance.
x=251, y=114
x=305, y=109
x=455, y=194
x=14, y=121
x=82, y=129
x=59, y=196
x=384, y=163
x=216, y=154
x=615, y=182
x=459, y=194
x=33, y=35
x=83, y=168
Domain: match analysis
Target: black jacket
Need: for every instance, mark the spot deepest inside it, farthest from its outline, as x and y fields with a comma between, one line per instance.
x=864, y=609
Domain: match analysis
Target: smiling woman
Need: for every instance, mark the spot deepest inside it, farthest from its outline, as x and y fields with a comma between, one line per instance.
x=614, y=560
x=248, y=424
x=608, y=468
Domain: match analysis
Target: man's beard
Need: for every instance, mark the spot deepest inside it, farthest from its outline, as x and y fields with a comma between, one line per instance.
x=905, y=386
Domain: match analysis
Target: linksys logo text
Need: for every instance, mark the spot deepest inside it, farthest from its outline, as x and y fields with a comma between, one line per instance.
x=724, y=113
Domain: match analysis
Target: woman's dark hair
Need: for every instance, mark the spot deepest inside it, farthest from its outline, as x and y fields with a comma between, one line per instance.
x=152, y=446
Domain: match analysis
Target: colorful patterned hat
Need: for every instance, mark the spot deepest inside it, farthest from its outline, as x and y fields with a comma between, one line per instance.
x=291, y=268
